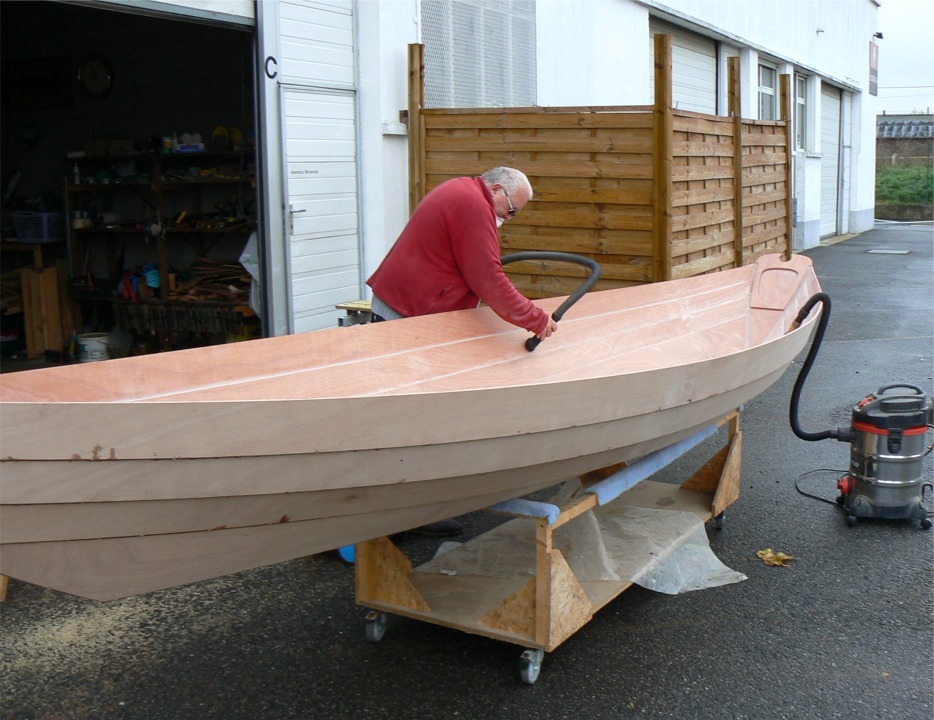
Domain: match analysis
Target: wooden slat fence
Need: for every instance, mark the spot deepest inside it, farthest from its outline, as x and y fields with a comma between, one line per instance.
x=766, y=225
x=703, y=194
x=647, y=205
x=592, y=175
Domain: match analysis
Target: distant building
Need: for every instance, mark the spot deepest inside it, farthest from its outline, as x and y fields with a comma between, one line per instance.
x=904, y=140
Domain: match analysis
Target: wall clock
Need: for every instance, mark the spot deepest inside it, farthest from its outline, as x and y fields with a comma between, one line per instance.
x=96, y=77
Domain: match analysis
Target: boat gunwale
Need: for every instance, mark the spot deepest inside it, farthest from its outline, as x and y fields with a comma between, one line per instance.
x=383, y=437
x=743, y=281
x=508, y=410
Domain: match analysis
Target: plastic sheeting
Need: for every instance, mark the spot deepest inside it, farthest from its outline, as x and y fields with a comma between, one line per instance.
x=662, y=550
x=249, y=258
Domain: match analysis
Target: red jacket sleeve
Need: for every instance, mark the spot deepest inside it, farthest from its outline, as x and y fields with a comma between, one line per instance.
x=447, y=258
x=476, y=249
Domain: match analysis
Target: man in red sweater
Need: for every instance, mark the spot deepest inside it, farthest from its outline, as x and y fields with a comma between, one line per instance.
x=447, y=258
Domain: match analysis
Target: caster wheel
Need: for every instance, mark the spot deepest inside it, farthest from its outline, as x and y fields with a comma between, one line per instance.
x=375, y=626
x=851, y=520
x=926, y=523
x=530, y=665
x=718, y=521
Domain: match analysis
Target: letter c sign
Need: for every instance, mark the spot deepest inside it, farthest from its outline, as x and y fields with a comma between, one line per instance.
x=272, y=67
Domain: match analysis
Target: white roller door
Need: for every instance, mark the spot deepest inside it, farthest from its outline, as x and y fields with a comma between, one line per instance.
x=321, y=186
x=693, y=68
x=309, y=100
x=218, y=12
x=830, y=160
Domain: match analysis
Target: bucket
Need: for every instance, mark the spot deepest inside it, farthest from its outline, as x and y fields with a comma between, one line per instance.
x=93, y=347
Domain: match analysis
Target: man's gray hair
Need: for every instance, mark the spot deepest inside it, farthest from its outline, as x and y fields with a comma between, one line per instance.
x=509, y=178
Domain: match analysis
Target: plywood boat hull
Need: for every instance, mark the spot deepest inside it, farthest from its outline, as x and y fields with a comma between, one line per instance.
x=133, y=475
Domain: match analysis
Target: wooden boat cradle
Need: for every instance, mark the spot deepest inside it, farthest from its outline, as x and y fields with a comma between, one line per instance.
x=548, y=608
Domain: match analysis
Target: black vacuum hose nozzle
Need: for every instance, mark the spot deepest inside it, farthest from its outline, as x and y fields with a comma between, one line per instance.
x=588, y=283
x=841, y=434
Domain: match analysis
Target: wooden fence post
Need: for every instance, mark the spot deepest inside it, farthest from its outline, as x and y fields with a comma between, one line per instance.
x=735, y=95
x=416, y=125
x=663, y=131
x=785, y=98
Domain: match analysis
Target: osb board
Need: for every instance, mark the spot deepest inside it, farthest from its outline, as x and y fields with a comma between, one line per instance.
x=383, y=575
x=568, y=608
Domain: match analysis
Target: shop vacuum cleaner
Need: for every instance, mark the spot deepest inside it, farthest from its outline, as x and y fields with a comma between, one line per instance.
x=887, y=442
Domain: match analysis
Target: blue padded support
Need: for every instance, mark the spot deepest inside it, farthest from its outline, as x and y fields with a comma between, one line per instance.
x=529, y=508
x=612, y=487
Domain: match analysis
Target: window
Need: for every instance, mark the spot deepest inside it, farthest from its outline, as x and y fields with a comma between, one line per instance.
x=768, y=104
x=479, y=53
x=801, y=112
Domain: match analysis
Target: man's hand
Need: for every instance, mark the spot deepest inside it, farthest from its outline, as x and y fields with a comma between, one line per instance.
x=549, y=329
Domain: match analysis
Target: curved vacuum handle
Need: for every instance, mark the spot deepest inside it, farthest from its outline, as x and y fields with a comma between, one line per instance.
x=533, y=341
x=918, y=390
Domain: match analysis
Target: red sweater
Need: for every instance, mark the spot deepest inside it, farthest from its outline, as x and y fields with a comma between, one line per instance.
x=447, y=258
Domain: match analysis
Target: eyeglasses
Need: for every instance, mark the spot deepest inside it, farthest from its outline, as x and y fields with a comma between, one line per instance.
x=512, y=208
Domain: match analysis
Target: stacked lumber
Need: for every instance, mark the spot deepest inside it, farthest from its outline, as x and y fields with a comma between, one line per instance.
x=212, y=300
x=214, y=280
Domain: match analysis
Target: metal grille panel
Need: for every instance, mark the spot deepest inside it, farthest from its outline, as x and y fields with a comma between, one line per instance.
x=479, y=53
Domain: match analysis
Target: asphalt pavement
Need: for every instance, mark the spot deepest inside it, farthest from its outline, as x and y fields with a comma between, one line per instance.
x=844, y=631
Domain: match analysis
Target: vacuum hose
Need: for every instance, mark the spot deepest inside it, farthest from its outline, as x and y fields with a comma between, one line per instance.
x=593, y=266
x=841, y=434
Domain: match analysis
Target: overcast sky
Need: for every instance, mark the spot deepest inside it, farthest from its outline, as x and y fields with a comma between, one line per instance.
x=906, y=56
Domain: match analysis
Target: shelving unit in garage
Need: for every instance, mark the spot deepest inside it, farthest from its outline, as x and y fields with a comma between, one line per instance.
x=194, y=210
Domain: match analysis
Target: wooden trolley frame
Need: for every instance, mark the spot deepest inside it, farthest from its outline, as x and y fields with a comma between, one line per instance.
x=543, y=611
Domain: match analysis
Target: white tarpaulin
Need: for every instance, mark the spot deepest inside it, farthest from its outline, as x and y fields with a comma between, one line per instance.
x=660, y=550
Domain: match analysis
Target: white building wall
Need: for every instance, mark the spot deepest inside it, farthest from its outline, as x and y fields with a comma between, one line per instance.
x=749, y=79
x=597, y=52
x=593, y=52
x=788, y=30
x=862, y=192
x=582, y=47
x=384, y=32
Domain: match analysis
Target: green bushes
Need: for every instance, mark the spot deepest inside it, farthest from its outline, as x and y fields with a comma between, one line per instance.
x=913, y=184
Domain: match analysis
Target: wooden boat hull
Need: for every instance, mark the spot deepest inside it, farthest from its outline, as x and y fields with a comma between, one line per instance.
x=162, y=483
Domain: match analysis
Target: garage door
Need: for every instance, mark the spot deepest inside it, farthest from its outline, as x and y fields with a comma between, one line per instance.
x=319, y=126
x=230, y=13
x=308, y=135
x=321, y=187
x=830, y=160
x=693, y=68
